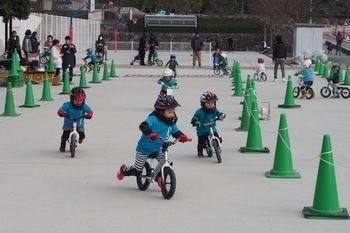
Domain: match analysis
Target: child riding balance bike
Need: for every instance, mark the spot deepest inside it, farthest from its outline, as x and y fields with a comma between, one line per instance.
x=305, y=81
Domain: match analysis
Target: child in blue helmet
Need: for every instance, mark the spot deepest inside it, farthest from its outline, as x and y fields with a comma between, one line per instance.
x=75, y=108
x=160, y=123
x=203, y=115
x=172, y=64
x=92, y=57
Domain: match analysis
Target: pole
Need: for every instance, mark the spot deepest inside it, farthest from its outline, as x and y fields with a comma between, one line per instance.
x=70, y=32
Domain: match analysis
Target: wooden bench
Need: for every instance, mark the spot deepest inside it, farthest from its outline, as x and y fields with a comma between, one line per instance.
x=37, y=76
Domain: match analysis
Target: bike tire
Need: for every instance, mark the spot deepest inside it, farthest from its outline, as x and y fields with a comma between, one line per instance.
x=168, y=186
x=309, y=93
x=345, y=92
x=159, y=63
x=263, y=76
x=325, y=92
x=44, y=60
x=228, y=71
x=217, y=150
x=142, y=180
x=256, y=77
x=216, y=71
x=83, y=69
x=296, y=92
x=73, y=145
x=98, y=68
x=149, y=63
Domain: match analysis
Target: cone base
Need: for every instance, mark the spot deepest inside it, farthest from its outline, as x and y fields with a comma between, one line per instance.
x=95, y=82
x=64, y=93
x=254, y=150
x=241, y=129
x=113, y=76
x=239, y=95
x=105, y=79
x=46, y=99
x=309, y=212
x=281, y=174
x=84, y=86
x=289, y=106
x=29, y=106
x=10, y=114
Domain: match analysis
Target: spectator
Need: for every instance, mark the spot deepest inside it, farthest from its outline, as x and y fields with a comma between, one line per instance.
x=35, y=42
x=339, y=39
x=279, y=56
x=230, y=44
x=57, y=60
x=100, y=47
x=12, y=44
x=68, y=57
x=142, y=49
x=153, y=43
x=196, y=45
x=48, y=43
x=27, y=44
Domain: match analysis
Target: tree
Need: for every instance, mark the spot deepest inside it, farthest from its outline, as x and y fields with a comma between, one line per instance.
x=14, y=9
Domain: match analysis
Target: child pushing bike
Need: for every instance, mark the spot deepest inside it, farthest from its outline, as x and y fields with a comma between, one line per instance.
x=76, y=108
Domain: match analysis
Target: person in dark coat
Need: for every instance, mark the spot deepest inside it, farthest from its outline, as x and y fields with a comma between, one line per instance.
x=152, y=44
x=196, y=45
x=279, y=56
x=12, y=44
x=142, y=49
x=68, y=51
x=35, y=42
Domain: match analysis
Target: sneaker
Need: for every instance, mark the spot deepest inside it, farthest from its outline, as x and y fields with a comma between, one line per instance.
x=63, y=147
x=158, y=180
x=284, y=80
x=275, y=79
x=120, y=174
x=81, y=140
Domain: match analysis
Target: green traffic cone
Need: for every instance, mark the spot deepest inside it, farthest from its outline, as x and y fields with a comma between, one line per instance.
x=247, y=105
x=347, y=76
x=82, y=80
x=113, y=72
x=66, y=84
x=283, y=165
x=248, y=85
x=320, y=68
x=9, y=109
x=46, y=95
x=50, y=66
x=289, y=98
x=254, y=141
x=317, y=64
x=105, y=73
x=325, y=73
x=341, y=74
x=95, y=78
x=238, y=85
x=29, y=99
x=326, y=203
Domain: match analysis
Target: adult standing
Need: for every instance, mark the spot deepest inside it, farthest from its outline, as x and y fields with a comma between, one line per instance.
x=35, y=42
x=142, y=49
x=152, y=44
x=68, y=51
x=100, y=47
x=279, y=56
x=48, y=43
x=27, y=44
x=230, y=44
x=12, y=44
x=339, y=38
x=196, y=45
x=57, y=60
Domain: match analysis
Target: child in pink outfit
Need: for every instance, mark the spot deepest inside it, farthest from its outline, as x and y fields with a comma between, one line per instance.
x=261, y=66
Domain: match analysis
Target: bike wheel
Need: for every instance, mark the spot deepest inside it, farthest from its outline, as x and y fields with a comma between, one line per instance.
x=159, y=62
x=142, y=180
x=309, y=93
x=325, y=92
x=169, y=183
x=43, y=60
x=216, y=71
x=256, y=77
x=72, y=145
x=98, y=68
x=263, y=76
x=296, y=92
x=345, y=92
x=228, y=71
x=149, y=63
x=83, y=68
x=217, y=150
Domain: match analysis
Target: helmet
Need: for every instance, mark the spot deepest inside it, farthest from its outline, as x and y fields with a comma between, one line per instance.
x=260, y=60
x=78, y=94
x=166, y=101
x=168, y=72
x=224, y=55
x=208, y=96
x=173, y=55
x=89, y=50
x=307, y=63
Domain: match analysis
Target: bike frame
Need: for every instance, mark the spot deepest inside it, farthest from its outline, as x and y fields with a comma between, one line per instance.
x=211, y=136
x=74, y=131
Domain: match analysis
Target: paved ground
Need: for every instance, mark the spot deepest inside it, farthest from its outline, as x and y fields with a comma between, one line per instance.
x=47, y=191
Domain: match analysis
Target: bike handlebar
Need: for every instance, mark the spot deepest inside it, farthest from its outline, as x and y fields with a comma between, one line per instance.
x=211, y=121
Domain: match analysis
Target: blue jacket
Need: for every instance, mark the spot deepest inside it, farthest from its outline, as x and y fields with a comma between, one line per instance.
x=167, y=83
x=72, y=112
x=308, y=74
x=204, y=116
x=145, y=145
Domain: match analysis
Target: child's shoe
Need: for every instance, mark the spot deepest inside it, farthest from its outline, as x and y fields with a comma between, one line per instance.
x=158, y=180
x=120, y=173
x=81, y=140
x=63, y=147
x=199, y=151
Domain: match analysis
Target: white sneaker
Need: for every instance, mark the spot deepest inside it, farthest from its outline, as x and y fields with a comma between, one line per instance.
x=275, y=79
x=284, y=80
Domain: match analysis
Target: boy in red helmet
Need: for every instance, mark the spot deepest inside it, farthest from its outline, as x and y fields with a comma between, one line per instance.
x=76, y=108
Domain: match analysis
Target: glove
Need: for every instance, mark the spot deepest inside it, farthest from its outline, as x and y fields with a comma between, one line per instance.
x=153, y=136
x=222, y=116
x=88, y=115
x=61, y=113
x=183, y=138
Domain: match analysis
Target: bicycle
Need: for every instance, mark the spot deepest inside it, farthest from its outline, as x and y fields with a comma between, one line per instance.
x=213, y=144
x=260, y=76
x=73, y=136
x=224, y=70
x=326, y=91
x=87, y=67
x=309, y=92
x=155, y=60
x=164, y=167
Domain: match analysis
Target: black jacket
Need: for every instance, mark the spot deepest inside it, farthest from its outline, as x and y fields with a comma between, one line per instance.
x=279, y=51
